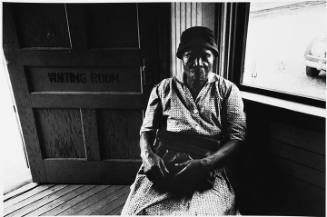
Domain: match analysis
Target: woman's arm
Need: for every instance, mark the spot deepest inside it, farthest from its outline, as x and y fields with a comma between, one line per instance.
x=219, y=158
x=153, y=165
x=234, y=128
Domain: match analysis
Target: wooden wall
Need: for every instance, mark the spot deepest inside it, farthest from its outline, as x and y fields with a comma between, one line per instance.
x=282, y=163
x=185, y=15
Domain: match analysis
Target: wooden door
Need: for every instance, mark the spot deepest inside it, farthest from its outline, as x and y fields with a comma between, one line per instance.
x=81, y=75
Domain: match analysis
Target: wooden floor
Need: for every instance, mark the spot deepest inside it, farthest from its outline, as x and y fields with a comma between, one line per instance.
x=36, y=200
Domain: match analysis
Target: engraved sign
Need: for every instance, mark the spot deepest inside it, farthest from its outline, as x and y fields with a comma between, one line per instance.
x=78, y=77
x=84, y=79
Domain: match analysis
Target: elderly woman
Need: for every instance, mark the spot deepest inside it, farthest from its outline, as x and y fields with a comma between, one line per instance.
x=201, y=108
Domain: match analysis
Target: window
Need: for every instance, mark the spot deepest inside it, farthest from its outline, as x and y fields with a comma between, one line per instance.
x=286, y=49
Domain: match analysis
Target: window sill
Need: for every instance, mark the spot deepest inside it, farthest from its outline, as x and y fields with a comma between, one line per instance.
x=293, y=106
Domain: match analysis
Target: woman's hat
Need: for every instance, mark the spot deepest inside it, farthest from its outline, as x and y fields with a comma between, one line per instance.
x=197, y=36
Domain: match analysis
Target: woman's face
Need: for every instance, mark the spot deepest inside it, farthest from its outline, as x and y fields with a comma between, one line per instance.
x=198, y=63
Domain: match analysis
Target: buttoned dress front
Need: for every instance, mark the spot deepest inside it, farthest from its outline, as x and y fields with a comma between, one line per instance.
x=217, y=112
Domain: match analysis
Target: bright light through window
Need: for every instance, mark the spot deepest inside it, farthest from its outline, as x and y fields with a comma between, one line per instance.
x=286, y=48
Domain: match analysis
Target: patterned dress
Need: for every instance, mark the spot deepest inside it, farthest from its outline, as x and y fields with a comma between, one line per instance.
x=216, y=111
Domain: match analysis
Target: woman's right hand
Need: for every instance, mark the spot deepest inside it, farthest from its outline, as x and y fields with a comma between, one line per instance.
x=154, y=166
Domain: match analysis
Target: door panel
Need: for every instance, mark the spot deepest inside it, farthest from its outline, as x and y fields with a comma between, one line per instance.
x=60, y=133
x=81, y=99
x=104, y=24
x=119, y=133
x=121, y=79
x=41, y=25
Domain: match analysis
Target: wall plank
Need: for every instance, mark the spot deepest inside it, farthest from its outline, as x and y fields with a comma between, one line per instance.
x=177, y=36
x=303, y=138
x=198, y=14
x=193, y=18
x=302, y=206
x=188, y=12
x=183, y=16
x=173, y=38
x=301, y=172
x=298, y=155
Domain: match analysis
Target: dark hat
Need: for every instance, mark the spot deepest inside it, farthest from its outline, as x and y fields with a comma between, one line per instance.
x=197, y=36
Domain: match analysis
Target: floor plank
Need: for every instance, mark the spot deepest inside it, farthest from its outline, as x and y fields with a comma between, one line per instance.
x=102, y=205
x=76, y=200
x=118, y=210
x=113, y=202
x=119, y=205
x=26, y=195
x=43, y=201
x=89, y=203
x=19, y=191
x=67, y=200
x=60, y=201
x=32, y=199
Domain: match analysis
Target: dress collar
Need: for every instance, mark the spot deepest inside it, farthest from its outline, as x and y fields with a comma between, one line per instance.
x=212, y=77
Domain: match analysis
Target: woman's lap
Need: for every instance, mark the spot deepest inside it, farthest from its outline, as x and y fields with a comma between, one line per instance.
x=145, y=199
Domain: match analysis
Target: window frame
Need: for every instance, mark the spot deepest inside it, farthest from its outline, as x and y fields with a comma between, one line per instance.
x=235, y=16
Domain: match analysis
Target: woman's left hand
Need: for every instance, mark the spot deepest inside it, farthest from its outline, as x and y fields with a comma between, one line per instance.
x=192, y=171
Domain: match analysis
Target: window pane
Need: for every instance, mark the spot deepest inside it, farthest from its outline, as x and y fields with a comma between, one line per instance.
x=286, y=48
